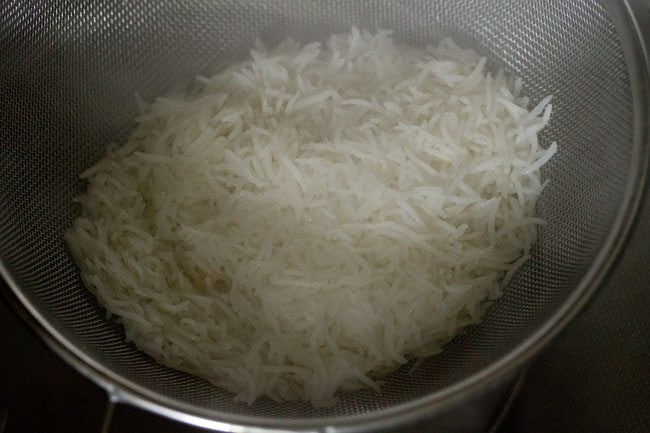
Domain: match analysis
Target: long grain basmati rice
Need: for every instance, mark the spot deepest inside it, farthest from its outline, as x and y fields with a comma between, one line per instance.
x=313, y=217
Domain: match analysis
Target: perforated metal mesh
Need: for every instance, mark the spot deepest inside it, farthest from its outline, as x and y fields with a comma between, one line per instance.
x=68, y=73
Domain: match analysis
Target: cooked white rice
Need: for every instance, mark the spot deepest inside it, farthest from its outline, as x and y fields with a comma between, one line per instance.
x=311, y=218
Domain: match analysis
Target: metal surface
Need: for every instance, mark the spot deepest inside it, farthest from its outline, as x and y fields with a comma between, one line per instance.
x=67, y=81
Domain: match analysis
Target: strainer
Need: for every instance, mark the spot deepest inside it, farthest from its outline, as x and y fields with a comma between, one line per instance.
x=68, y=74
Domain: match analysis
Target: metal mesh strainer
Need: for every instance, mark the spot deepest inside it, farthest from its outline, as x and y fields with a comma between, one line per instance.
x=67, y=78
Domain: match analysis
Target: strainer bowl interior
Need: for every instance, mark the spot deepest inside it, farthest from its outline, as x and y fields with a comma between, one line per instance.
x=68, y=75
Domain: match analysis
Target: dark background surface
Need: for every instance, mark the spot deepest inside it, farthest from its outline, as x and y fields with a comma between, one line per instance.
x=594, y=378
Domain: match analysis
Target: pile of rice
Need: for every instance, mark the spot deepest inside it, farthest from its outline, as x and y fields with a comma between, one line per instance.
x=311, y=218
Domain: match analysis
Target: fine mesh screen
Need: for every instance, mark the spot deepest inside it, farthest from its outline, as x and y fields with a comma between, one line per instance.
x=68, y=76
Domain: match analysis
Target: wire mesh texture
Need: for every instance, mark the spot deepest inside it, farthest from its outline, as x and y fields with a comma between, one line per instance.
x=68, y=75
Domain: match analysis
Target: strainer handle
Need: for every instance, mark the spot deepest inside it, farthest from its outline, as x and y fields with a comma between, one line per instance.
x=108, y=414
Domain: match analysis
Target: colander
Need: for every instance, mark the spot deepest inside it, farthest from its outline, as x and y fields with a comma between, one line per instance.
x=68, y=75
